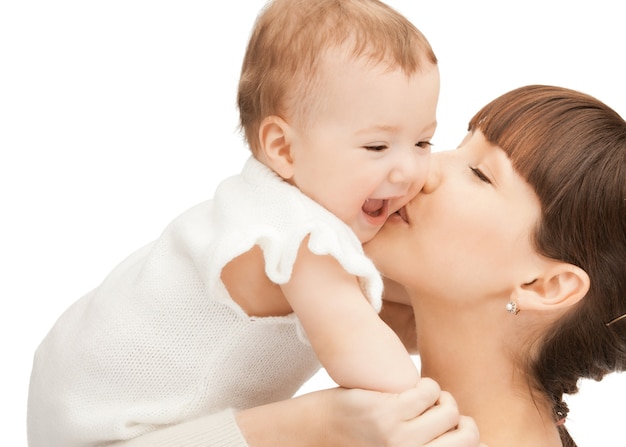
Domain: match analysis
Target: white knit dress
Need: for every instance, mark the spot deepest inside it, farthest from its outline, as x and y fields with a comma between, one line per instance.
x=160, y=341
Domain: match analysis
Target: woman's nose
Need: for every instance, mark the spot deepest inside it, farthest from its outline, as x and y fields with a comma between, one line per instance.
x=433, y=177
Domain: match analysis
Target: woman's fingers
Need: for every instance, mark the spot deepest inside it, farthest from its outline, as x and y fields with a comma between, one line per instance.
x=432, y=423
x=417, y=400
x=464, y=435
x=423, y=416
x=439, y=424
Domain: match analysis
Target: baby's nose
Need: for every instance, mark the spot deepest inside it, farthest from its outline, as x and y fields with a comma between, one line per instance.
x=406, y=168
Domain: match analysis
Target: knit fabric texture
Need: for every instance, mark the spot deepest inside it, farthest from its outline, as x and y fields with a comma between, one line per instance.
x=160, y=341
x=215, y=430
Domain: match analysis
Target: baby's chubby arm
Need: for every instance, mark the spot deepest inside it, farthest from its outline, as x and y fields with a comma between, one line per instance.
x=351, y=341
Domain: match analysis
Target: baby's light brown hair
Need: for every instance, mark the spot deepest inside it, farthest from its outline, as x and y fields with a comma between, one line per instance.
x=281, y=67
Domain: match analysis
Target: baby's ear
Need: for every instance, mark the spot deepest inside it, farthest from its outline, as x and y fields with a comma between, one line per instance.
x=276, y=146
x=561, y=285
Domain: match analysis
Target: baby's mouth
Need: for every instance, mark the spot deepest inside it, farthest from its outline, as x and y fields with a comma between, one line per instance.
x=375, y=207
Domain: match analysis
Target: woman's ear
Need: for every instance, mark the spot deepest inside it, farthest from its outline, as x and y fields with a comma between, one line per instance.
x=561, y=285
x=274, y=136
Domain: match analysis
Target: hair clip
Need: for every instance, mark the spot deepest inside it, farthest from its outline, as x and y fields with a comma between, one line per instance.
x=560, y=412
x=615, y=320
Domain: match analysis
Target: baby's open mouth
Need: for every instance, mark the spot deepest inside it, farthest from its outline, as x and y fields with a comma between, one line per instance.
x=375, y=207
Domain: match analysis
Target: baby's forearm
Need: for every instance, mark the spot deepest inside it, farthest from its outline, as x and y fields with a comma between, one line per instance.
x=369, y=356
x=350, y=339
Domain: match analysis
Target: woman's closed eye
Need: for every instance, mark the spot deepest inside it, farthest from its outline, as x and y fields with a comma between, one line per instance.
x=480, y=175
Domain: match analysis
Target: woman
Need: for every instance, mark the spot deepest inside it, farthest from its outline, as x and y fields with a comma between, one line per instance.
x=513, y=258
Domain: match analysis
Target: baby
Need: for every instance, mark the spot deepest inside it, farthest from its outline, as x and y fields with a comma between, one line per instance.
x=243, y=296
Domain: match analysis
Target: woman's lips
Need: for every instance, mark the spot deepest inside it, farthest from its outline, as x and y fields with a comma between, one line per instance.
x=402, y=213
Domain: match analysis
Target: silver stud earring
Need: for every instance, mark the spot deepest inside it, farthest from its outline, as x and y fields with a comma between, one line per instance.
x=511, y=307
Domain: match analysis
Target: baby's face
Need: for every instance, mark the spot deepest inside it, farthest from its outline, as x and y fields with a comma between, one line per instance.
x=366, y=150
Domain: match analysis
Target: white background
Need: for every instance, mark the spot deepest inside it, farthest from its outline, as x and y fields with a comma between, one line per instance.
x=116, y=116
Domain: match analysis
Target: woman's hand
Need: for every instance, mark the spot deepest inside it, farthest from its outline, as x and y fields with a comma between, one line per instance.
x=420, y=417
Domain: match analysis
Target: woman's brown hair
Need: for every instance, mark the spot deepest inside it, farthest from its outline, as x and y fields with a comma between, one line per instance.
x=571, y=148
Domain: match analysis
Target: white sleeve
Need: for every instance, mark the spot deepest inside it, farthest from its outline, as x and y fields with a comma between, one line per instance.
x=215, y=430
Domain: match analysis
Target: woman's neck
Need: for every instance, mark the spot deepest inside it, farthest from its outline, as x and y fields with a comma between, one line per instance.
x=463, y=351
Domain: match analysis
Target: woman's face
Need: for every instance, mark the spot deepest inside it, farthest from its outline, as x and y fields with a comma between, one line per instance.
x=468, y=232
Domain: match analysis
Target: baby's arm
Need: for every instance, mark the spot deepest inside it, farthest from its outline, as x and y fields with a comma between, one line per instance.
x=355, y=346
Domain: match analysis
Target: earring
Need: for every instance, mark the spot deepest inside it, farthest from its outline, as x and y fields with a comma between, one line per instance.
x=511, y=307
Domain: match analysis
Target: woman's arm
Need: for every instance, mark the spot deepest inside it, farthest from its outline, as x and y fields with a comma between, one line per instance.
x=420, y=417
x=342, y=417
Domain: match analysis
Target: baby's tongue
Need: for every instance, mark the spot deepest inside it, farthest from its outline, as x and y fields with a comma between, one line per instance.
x=372, y=206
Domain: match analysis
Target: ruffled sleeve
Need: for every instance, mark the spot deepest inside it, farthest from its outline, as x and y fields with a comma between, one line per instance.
x=259, y=208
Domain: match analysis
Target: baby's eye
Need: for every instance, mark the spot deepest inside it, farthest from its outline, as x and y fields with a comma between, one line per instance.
x=478, y=173
x=424, y=144
x=376, y=147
